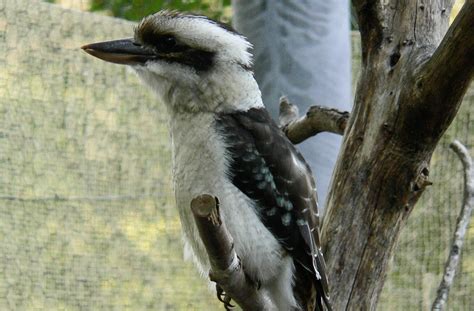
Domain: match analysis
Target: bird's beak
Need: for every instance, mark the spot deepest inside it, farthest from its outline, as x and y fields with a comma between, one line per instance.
x=124, y=52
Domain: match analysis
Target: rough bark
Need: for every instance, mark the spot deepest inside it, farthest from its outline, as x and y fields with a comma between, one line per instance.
x=409, y=91
x=318, y=119
x=461, y=227
x=226, y=269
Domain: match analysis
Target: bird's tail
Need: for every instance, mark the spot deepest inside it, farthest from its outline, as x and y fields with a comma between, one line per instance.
x=309, y=291
x=321, y=299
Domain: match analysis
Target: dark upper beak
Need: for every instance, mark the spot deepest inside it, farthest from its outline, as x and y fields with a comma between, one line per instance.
x=125, y=52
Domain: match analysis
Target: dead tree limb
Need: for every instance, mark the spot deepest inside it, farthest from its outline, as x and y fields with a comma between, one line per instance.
x=461, y=227
x=288, y=112
x=316, y=120
x=402, y=107
x=226, y=269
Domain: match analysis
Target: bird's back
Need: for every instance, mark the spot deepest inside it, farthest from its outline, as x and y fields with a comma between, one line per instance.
x=267, y=167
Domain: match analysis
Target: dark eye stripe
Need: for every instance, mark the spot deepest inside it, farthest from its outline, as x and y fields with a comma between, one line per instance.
x=168, y=48
x=162, y=43
x=200, y=60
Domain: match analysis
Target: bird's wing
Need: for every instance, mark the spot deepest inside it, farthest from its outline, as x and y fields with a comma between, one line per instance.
x=268, y=169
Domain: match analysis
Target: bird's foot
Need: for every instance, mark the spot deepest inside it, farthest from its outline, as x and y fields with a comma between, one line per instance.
x=223, y=297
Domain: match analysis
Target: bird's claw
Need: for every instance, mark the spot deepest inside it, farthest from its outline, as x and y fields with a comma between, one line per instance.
x=224, y=298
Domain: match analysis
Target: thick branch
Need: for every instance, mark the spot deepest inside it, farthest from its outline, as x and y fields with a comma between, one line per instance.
x=442, y=81
x=397, y=120
x=452, y=63
x=226, y=269
x=370, y=26
x=318, y=119
x=461, y=227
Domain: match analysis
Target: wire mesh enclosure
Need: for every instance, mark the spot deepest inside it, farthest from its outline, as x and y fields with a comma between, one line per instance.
x=87, y=217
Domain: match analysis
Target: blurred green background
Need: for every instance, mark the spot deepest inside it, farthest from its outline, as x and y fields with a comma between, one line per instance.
x=87, y=217
x=135, y=10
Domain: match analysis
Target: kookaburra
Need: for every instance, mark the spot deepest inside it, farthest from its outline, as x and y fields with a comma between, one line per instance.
x=224, y=143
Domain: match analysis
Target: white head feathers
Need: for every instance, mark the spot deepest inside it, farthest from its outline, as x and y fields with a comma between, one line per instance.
x=198, y=32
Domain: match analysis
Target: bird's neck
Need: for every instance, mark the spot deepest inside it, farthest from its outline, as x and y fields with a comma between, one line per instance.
x=197, y=149
x=215, y=93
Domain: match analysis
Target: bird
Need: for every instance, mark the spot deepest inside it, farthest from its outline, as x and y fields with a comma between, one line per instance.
x=225, y=143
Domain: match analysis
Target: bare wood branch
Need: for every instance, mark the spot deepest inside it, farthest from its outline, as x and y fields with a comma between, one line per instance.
x=395, y=125
x=226, y=269
x=451, y=67
x=288, y=112
x=461, y=227
x=318, y=119
x=452, y=62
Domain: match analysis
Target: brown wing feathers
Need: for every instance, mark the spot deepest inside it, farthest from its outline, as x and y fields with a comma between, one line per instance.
x=268, y=169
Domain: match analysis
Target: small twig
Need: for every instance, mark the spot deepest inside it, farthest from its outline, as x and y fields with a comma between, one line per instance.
x=288, y=112
x=461, y=227
x=318, y=119
x=226, y=269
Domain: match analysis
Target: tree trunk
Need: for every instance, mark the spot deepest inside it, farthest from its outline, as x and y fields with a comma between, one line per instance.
x=408, y=93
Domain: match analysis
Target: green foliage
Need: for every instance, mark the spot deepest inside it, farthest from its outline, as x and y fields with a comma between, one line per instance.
x=136, y=9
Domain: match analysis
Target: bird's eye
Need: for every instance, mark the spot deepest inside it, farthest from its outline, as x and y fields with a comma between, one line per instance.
x=167, y=43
